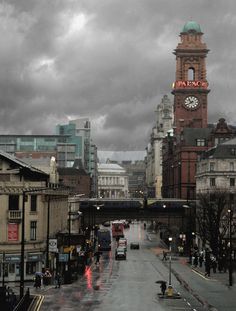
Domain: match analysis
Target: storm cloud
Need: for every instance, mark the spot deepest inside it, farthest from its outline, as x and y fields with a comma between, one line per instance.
x=108, y=60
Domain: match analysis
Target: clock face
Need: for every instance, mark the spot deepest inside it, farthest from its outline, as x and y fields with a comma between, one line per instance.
x=191, y=102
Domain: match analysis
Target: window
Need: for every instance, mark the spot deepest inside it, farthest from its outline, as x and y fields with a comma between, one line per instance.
x=232, y=182
x=33, y=203
x=33, y=229
x=30, y=267
x=13, y=202
x=212, y=166
x=233, y=151
x=231, y=166
x=231, y=198
x=191, y=74
x=201, y=142
x=212, y=182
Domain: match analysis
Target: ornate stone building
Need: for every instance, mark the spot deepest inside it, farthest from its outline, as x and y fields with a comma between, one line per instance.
x=192, y=133
x=31, y=213
x=112, y=181
x=164, y=123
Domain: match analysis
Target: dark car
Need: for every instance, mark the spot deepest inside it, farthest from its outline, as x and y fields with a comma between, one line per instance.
x=120, y=254
x=134, y=245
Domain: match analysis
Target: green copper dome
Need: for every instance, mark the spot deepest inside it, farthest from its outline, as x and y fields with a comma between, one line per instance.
x=191, y=25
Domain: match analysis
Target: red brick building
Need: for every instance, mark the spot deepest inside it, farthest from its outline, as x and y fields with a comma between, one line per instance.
x=191, y=134
x=77, y=179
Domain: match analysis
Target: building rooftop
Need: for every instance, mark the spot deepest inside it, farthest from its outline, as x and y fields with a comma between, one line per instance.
x=120, y=156
x=110, y=167
x=192, y=26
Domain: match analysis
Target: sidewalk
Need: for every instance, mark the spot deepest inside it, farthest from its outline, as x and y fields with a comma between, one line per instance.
x=212, y=292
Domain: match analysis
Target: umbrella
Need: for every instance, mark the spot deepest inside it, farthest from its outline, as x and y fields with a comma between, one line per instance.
x=160, y=282
x=39, y=273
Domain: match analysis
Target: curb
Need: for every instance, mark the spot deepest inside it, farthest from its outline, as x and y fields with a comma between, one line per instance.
x=191, y=291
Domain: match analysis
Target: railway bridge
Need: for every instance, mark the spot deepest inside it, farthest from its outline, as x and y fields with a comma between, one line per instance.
x=173, y=214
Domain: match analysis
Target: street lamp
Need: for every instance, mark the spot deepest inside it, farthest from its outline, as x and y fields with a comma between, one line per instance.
x=170, y=290
x=22, y=266
x=230, y=247
x=97, y=208
x=48, y=233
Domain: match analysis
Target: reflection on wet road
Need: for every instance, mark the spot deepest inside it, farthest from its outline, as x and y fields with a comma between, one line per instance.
x=118, y=285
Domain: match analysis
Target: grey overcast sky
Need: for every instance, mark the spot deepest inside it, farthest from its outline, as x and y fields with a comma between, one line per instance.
x=109, y=60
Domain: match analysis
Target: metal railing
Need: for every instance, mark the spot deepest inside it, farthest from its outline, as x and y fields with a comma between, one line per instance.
x=14, y=215
x=24, y=303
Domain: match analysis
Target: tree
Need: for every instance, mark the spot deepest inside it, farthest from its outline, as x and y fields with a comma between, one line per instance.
x=210, y=214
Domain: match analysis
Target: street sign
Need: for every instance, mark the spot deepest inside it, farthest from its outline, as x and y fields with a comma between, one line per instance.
x=63, y=257
x=53, y=245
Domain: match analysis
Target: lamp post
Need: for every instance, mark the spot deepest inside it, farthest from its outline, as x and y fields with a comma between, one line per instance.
x=3, y=269
x=230, y=247
x=22, y=264
x=97, y=208
x=170, y=286
x=48, y=232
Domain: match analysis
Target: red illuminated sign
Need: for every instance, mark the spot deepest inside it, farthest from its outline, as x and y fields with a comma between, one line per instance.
x=190, y=84
x=13, y=232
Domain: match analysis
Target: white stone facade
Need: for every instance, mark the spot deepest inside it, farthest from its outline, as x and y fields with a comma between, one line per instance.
x=215, y=174
x=164, y=123
x=112, y=181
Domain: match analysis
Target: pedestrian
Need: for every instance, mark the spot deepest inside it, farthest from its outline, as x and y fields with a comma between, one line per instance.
x=164, y=256
x=201, y=258
x=163, y=288
x=47, y=277
x=97, y=255
x=58, y=280
x=195, y=260
x=213, y=263
x=224, y=263
x=207, y=263
x=220, y=264
x=37, y=281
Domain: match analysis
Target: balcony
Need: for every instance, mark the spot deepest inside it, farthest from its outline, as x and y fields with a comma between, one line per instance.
x=14, y=215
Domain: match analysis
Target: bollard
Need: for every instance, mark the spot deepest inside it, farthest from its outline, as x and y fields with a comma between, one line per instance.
x=170, y=291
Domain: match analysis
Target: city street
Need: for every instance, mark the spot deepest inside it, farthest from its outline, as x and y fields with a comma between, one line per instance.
x=122, y=285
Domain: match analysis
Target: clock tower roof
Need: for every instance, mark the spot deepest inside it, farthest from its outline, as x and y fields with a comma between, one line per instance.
x=191, y=26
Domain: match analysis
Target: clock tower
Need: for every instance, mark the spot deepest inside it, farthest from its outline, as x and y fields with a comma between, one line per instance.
x=190, y=88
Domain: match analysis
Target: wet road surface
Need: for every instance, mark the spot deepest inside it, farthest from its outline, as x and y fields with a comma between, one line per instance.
x=121, y=285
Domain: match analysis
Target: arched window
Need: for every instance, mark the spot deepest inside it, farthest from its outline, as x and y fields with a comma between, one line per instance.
x=191, y=74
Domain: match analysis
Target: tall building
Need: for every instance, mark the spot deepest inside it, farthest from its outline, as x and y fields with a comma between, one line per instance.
x=71, y=143
x=164, y=123
x=40, y=146
x=78, y=132
x=192, y=133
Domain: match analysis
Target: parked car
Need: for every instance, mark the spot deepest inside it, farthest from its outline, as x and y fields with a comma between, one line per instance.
x=134, y=245
x=120, y=254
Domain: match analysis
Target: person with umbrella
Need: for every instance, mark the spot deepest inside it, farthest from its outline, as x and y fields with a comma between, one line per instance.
x=38, y=280
x=162, y=286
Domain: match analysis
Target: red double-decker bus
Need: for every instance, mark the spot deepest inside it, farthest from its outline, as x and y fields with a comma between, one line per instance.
x=117, y=229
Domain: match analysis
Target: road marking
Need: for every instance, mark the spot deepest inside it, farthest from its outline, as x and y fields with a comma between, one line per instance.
x=203, y=276
x=39, y=302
